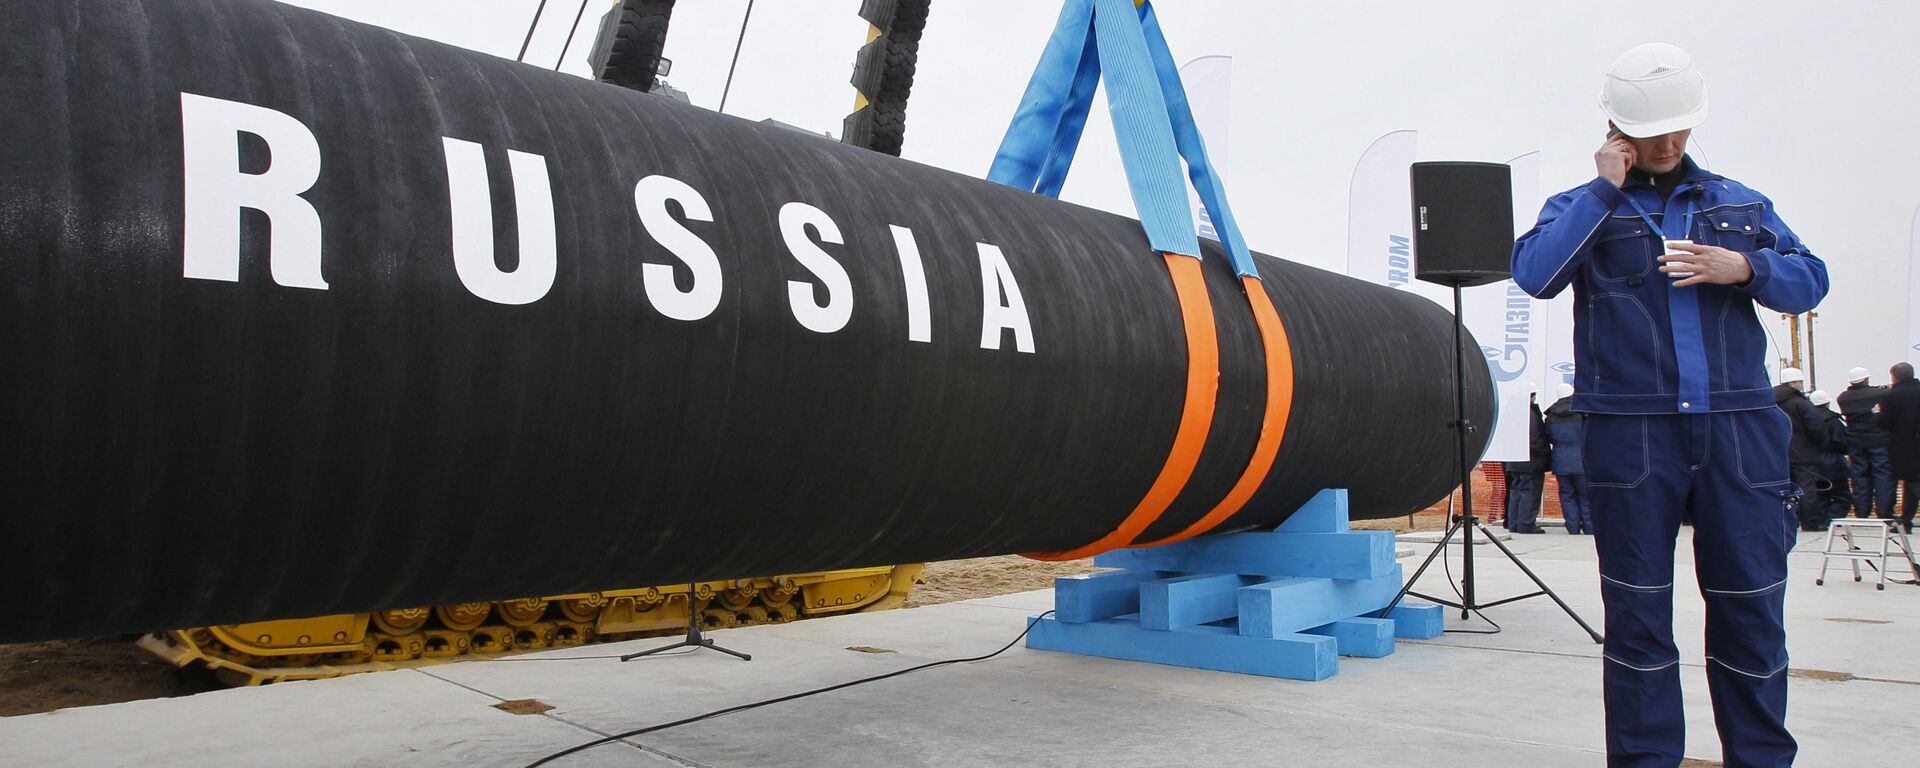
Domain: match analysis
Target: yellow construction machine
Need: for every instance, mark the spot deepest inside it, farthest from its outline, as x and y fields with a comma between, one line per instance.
x=330, y=646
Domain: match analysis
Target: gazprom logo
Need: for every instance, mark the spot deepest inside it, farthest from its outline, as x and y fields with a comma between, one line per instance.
x=1565, y=369
x=1509, y=360
x=1399, y=260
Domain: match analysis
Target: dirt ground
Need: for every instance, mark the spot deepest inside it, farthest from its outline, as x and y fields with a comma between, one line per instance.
x=954, y=580
x=1424, y=521
x=41, y=677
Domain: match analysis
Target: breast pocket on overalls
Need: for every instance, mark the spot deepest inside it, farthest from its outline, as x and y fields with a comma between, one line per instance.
x=1623, y=249
x=1735, y=229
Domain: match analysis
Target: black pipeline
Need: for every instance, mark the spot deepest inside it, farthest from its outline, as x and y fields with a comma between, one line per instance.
x=301, y=316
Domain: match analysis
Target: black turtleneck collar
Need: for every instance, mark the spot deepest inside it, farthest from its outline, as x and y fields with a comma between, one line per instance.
x=1665, y=182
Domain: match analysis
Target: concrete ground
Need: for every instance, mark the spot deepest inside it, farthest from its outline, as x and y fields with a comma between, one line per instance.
x=1529, y=696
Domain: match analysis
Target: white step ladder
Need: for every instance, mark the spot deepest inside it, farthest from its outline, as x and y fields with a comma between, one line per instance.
x=1870, y=541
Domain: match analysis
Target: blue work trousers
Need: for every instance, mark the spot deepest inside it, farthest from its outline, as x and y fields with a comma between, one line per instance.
x=1872, y=475
x=1573, y=502
x=1642, y=474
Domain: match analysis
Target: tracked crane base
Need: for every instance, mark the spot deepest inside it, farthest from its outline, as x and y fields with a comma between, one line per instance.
x=1530, y=696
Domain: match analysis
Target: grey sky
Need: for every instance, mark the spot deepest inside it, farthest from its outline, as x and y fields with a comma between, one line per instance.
x=1819, y=116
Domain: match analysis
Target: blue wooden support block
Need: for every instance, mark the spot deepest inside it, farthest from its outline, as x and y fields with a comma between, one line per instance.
x=1096, y=596
x=1185, y=601
x=1418, y=622
x=1295, y=657
x=1283, y=603
x=1268, y=554
x=1326, y=512
x=1291, y=605
x=1368, y=638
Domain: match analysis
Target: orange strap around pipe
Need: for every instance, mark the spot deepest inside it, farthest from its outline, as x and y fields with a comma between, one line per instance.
x=1279, y=354
x=1196, y=416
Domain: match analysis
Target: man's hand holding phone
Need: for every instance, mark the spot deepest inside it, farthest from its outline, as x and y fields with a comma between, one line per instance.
x=1615, y=157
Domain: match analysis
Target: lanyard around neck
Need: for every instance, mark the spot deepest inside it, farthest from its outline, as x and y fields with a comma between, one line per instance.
x=1687, y=232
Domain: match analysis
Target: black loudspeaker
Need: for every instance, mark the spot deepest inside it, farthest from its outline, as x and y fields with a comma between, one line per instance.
x=1462, y=222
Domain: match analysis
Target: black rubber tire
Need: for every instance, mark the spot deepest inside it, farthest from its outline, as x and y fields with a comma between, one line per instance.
x=639, y=35
x=884, y=70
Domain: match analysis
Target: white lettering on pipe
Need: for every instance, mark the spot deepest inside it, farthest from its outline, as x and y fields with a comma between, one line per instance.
x=996, y=278
x=817, y=316
x=913, y=277
x=472, y=216
x=650, y=198
x=216, y=190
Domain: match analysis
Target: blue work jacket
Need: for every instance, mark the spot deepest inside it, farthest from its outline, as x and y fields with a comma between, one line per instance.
x=1565, y=429
x=1642, y=346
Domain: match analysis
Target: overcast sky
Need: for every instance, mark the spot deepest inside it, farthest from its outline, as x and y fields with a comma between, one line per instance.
x=1812, y=103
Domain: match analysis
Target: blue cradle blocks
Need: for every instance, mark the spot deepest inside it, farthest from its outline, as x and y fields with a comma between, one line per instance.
x=1283, y=603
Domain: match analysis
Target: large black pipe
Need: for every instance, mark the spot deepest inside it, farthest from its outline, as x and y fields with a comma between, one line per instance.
x=349, y=407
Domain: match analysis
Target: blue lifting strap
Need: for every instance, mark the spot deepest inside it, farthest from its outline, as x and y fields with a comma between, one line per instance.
x=1152, y=120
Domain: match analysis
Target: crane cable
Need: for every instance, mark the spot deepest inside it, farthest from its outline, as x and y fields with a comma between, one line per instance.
x=736, y=57
x=571, y=31
x=531, y=26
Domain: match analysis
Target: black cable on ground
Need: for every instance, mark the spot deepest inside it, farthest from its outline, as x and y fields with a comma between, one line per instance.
x=531, y=26
x=1446, y=564
x=789, y=697
x=570, y=658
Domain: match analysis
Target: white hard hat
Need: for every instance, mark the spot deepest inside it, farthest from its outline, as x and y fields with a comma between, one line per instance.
x=1791, y=374
x=1857, y=374
x=1563, y=391
x=1820, y=397
x=1653, y=90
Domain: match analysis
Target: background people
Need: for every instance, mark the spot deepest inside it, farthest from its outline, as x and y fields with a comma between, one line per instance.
x=1565, y=430
x=1830, y=438
x=1900, y=417
x=1803, y=455
x=1526, y=480
x=1867, y=464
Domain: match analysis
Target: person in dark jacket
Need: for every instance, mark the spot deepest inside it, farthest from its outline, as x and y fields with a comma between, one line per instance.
x=1830, y=437
x=1526, y=479
x=1900, y=417
x=1803, y=455
x=1867, y=462
x=1565, y=430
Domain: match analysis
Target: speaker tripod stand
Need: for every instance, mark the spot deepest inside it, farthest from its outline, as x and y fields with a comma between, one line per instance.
x=693, y=639
x=1465, y=523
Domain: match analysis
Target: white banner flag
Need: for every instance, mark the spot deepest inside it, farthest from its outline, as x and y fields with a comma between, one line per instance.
x=1555, y=316
x=1503, y=319
x=1380, y=218
x=1912, y=352
x=1209, y=84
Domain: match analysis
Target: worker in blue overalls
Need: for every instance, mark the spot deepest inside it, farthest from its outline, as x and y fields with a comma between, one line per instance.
x=1669, y=368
